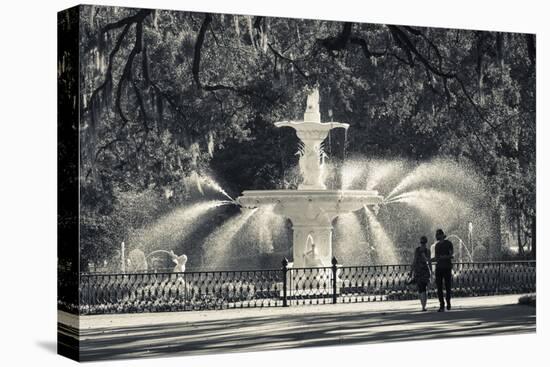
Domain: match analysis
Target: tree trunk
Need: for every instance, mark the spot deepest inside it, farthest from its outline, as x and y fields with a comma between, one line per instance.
x=531, y=47
x=499, y=220
x=534, y=237
x=500, y=50
x=518, y=224
x=237, y=28
x=250, y=30
x=479, y=52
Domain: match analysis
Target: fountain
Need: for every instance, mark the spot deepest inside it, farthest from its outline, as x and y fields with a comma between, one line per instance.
x=443, y=194
x=312, y=207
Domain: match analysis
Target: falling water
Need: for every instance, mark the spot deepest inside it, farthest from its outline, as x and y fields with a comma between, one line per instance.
x=385, y=247
x=329, y=176
x=261, y=227
x=459, y=247
x=342, y=172
x=171, y=229
x=292, y=178
x=351, y=246
x=218, y=243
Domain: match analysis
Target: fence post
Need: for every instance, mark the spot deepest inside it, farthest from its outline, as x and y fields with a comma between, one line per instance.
x=498, y=279
x=89, y=295
x=334, y=262
x=184, y=292
x=285, y=270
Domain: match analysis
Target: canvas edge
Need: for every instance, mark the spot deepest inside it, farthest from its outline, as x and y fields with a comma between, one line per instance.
x=68, y=191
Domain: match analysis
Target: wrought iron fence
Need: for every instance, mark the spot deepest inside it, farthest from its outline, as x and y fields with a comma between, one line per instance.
x=390, y=282
x=157, y=292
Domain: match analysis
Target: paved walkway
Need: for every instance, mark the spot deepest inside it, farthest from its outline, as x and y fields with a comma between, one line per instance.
x=199, y=332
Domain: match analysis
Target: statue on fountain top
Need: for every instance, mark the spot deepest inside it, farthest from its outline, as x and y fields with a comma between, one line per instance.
x=311, y=132
x=313, y=100
x=312, y=113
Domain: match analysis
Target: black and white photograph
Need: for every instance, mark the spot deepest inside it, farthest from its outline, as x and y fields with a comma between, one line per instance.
x=239, y=182
x=279, y=183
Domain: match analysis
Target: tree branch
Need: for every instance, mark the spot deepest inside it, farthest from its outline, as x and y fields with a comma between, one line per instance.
x=197, y=62
x=339, y=42
x=404, y=41
x=291, y=61
x=363, y=43
x=137, y=18
x=127, y=72
x=198, y=47
x=95, y=98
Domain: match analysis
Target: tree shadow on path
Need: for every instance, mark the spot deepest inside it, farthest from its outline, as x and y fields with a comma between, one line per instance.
x=304, y=330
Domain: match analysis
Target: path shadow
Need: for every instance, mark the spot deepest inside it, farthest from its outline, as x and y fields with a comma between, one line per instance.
x=309, y=330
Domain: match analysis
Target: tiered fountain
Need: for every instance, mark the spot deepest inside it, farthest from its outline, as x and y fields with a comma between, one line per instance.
x=311, y=208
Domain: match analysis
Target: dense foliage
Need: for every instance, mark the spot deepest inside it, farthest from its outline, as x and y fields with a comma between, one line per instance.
x=167, y=93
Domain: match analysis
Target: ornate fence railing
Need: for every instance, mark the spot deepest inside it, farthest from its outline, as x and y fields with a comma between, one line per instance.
x=158, y=292
x=390, y=282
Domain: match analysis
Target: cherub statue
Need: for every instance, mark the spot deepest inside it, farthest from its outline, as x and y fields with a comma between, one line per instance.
x=180, y=262
x=310, y=256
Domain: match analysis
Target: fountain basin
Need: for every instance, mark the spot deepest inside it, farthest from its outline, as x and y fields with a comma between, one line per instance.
x=307, y=204
x=311, y=213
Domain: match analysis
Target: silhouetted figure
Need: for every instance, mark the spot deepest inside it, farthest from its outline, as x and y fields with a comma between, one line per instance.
x=443, y=268
x=421, y=270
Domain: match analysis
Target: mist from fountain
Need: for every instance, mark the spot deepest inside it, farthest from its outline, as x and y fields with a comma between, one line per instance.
x=254, y=232
x=218, y=244
x=421, y=188
x=260, y=229
x=441, y=173
x=380, y=170
x=172, y=229
x=363, y=173
x=351, y=173
x=442, y=208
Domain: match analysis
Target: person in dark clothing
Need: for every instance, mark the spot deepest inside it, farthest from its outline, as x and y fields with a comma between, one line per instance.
x=443, y=268
x=421, y=270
